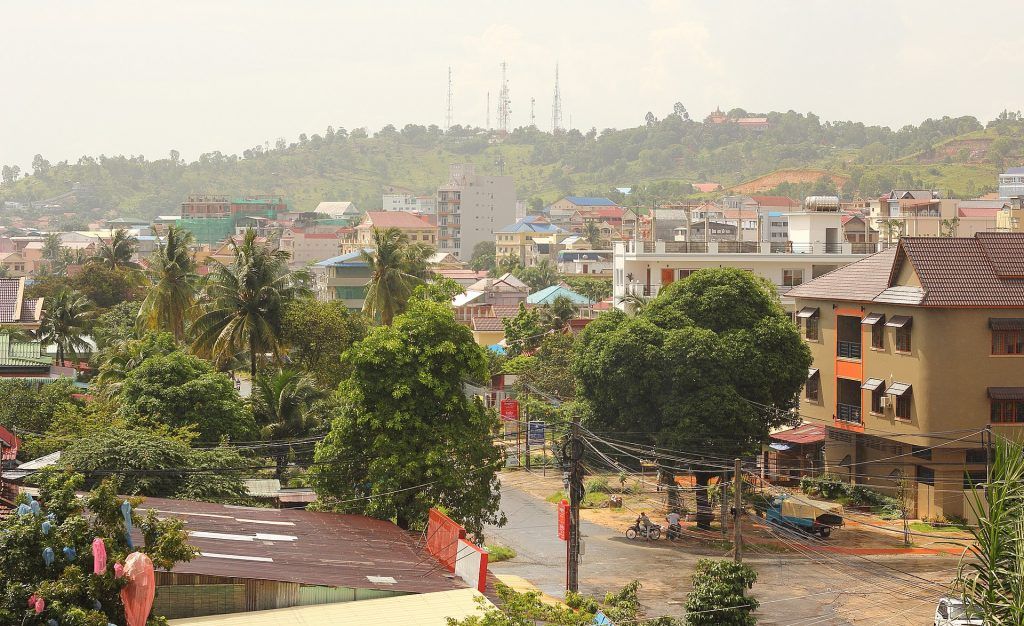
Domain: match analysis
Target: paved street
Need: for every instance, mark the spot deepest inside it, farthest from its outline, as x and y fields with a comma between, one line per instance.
x=793, y=590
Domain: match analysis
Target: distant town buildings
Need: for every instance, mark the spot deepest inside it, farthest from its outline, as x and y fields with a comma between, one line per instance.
x=527, y=240
x=343, y=278
x=409, y=203
x=470, y=207
x=1011, y=183
x=417, y=229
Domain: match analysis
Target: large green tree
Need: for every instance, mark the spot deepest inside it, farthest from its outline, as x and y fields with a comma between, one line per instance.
x=118, y=251
x=405, y=436
x=72, y=594
x=180, y=390
x=397, y=266
x=286, y=406
x=26, y=407
x=244, y=303
x=66, y=321
x=318, y=333
x=539, y=276
x=709, y=366
x=171, y=293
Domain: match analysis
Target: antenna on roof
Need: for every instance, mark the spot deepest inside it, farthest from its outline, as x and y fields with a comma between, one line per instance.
x=448, y=114
x=556, y=106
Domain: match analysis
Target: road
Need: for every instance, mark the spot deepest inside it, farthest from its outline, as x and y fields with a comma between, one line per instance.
x=793, y=590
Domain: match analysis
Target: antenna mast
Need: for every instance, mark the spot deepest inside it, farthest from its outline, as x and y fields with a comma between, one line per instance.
x=504, y=102
x=533, y=117
x=556, y=106
x=448, y=115
x=488, y=110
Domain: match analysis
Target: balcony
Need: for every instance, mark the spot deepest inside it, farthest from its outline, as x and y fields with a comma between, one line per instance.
x=747, y=247
x=848, y=350
x=849, y=413
x=848, y=344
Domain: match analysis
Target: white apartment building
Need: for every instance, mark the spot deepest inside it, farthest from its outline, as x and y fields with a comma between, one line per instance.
x=408, y=203
x=470, y=207
x=815, y=248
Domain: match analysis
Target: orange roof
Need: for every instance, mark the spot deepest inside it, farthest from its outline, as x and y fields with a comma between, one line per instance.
x=395, y=219
x=775, y=201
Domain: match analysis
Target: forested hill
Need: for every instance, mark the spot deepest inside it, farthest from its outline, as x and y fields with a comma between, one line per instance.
x=661, y=158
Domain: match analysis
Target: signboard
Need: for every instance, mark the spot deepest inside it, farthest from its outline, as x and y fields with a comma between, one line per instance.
x=536, y=433
x=509, y=409
x=563, y=520
x=602, y=620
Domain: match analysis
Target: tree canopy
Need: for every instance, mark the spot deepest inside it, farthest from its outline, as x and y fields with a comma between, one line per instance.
x=405, y=436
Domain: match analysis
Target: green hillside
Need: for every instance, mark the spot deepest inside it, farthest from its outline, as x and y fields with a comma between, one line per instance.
x=660, y=159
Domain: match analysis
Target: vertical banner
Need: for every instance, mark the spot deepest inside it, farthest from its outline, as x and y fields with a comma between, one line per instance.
x=563, y=520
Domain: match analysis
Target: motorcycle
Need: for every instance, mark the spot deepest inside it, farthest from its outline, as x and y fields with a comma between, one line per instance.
x=674, y=533
x=651, y=533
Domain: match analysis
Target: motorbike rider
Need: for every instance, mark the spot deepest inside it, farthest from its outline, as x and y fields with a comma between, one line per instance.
x=673, y=518
x=643, y=522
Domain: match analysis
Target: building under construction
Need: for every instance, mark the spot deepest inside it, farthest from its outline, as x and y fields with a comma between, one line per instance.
x=212, y=219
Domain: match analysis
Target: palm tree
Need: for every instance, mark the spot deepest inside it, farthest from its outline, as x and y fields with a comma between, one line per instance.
x=52, y=247
x=507, y=265
x=243, y=303
x=172, y=292
x=285, y=405
x=634, y=302
x=66, y=320
x=118, y=251
x=396, y=267
x=556, y=315
x=593, y=235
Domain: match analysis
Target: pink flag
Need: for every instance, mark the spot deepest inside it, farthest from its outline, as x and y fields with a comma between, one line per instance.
x=138, y=594
x=99, y=556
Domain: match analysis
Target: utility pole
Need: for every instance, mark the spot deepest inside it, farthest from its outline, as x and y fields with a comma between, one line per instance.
x=737, y=515
x=723, y=498
x=527, y=415
x=574, y=453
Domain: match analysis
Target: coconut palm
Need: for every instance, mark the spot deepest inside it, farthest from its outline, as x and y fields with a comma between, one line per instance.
x=507, y=265
x=52, y=247
x=396, y=267
x=634, y=302
x=244, y=301
x=593, y=235
x=991, y=573
x=118, y=252
x=66, y=320
x=172, y=292
x=285, y=405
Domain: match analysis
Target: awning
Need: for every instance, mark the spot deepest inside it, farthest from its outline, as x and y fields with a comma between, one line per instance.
x=811, y=372
x=1006, y=323
x=803, y=434
x=898, y=389
x=1006, y=393
x=872, y=383
x=899, y=321
x=808, y=311
x=781, y=447
x=873, y=318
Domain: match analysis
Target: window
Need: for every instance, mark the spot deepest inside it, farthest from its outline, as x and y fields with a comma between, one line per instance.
x=903, y=406
x=350, y=293
x=685, y=273
x=925, y=475
x=976, y=456
x=811, y=328
x=812, y=390
x=1007, y=411
x=792, y=278
x=975, y=478
x=877, y=388
x=902, y=324
x=878, y=337
x=1005, y=342
x=922, y=453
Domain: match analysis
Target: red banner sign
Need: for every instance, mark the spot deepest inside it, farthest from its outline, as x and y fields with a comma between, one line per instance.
x=510, y=409
x=563, y=520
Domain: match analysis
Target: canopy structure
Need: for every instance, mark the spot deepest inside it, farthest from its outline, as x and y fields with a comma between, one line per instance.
x=809, y=509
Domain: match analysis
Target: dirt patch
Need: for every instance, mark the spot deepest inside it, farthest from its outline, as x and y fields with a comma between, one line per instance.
x=794, y=176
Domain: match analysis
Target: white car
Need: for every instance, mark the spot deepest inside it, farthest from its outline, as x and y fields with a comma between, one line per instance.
x=953, y=612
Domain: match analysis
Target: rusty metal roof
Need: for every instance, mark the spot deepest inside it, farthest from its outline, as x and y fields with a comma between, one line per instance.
x=304, y=547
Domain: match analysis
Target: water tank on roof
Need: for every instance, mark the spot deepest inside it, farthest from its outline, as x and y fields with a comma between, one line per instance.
x=821, y=203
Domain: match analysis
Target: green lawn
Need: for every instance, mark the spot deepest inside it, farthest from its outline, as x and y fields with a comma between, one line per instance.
x=924, y=527
x=497, y=554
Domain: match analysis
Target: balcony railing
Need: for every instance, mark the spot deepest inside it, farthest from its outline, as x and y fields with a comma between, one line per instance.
x=848, y=349
x=848, y=413
x=747, y=247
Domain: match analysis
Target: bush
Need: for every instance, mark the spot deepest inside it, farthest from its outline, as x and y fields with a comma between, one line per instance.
x=832, y=487
x=497, y=554
x=598, y=484
x=719, y=594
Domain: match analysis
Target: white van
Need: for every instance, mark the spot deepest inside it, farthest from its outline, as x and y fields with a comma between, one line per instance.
x=953, y=612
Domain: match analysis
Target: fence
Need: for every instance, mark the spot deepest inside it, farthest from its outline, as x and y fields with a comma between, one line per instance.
x=446, y=541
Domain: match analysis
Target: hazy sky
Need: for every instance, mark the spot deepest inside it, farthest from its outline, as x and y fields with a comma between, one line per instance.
x=145, y=77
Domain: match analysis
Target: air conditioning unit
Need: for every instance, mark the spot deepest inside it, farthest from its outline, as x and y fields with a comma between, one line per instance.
x=883, y=402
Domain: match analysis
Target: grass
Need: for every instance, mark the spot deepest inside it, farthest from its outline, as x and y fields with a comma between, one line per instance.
x=924, y=527
x=497, y=554
x=592, y=500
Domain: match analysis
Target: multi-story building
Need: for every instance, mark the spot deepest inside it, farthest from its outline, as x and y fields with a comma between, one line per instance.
x=417, y=229
x=560, y=212
x=1011, y=183
x=519, y=240
x=470, y=207
x=343, y=278
x=815, y=248
x=918, y=351
x=310, y=244
x=409, y=203
x=213, y=219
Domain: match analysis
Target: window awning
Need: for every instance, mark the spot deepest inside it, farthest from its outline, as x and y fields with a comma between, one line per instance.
x=808, y=311
x=1006, y=323
x=898, y=389
x=900, y=321
x=873, y=318
x=811, y=372
x=1006, y=393
x=872, y=383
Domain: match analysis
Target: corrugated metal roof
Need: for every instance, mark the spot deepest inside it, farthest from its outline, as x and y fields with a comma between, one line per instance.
x=590, y=201
x=351, y=259
x=549, y=294
x=805, y=433
x=425, y=609
x=305, y=547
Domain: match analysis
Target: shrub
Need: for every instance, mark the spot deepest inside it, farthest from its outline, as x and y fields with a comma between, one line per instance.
x=598, y=484
x=496, y=554
x=719, y=594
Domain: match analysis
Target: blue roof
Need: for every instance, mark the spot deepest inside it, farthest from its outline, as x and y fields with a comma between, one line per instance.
x=345, y=259
x=588, y=201
x=549, y=294
x=1014, y=170
x=524, y=226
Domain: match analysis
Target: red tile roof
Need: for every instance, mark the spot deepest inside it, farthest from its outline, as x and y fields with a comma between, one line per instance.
x=978, y=212
x=706, y=187
x=805, y=433
x=986, y=270
x=488, y=324
x=395, y=219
